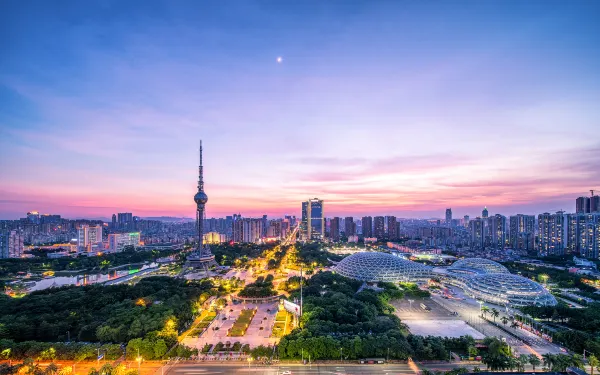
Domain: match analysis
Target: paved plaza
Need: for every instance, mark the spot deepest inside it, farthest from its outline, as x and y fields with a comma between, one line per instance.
x=254, y=336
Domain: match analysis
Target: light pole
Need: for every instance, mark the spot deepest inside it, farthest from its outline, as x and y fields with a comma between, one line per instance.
x=341, y=360
x=139, y=361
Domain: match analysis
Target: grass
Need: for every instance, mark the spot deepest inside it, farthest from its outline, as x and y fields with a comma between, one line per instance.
x=242, y=323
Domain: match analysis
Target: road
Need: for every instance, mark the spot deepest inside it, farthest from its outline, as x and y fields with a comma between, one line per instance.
x=342, y=369
x=469, y=310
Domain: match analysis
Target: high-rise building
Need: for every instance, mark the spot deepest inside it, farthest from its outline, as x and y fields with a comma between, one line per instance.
x=367, y=226
x=498, y=231
x=466, y=221
x=349, y=227
x=88, y=236
x=522, y=232
x=251, y=230
x=594, y=203
x=113, y=223
x=583, y=234
x=582, y=205
x=125, y=217
x=392, y=228
x=477, y=233
x=378, y=227
x=484, y=213
x=33, y=217
x=11, y=243
x=313, y=220
x=118, y=241
x=590, y=236
x=334, y=229
x=551, y=234
x=265, y=225
x=448, y=216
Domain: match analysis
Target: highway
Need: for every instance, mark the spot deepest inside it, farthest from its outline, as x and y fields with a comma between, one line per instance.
x=341, y=369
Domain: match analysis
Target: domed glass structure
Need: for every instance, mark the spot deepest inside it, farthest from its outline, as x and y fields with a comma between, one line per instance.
x=374, y=267
x=478, y=265
x=508, y=289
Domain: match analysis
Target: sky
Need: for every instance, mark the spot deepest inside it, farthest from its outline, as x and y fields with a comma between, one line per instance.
x=398, y=108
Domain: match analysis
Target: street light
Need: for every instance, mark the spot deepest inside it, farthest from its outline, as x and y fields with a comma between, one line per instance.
x=139, y=361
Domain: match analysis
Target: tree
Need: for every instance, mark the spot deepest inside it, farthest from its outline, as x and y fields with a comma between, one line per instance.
x=51, y=369
x=504, y=320
x=485, y=310
x=593, y=362
x=522, y=360
x=514, y=324
x=495, y=314
x=160, y=348
x=534, y=361
x=548, y=360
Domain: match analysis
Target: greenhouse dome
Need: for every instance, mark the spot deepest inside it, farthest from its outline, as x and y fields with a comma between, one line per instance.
x=478, y=265
x=508, y=289
x=374, y=267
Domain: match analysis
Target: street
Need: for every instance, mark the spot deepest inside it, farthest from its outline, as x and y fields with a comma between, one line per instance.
x=342, y=369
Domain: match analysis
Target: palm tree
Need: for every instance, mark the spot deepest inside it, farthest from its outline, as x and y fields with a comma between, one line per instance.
x=523, y=360
x=535, y=361
x=485, y=310
x=514, y=324
x=495, y=314
x=504, y=320
x=549, y=360
x=593, y=362
x=577, y=361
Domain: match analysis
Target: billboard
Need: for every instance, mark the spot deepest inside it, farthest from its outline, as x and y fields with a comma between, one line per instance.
x=291, y=307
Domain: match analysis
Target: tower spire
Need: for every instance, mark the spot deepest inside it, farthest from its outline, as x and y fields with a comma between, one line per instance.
x=200, y=171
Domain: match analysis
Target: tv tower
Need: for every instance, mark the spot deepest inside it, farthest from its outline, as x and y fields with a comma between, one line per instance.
x=202, y=256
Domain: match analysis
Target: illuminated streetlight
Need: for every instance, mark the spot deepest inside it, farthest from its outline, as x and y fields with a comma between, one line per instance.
x=139, y=361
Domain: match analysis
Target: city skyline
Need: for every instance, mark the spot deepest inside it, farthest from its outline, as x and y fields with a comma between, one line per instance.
x=404, y=111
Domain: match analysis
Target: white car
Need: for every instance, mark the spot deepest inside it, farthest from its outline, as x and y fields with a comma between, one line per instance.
x=286, y=373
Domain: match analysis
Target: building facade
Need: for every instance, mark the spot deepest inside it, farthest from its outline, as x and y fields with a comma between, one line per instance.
x=349, y=226
x=378, y=227
x=448, y=216
x=118, y=241
x=498, y=231
x=551, y=234
x=367, y=226
x=583, y=234
x=334, y=229
x=88, y=237
x=11, y=244
x=522, y=232
x=392, y=228
x=313, y=220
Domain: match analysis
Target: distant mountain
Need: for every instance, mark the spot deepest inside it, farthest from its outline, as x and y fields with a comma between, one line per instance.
x=170, y=219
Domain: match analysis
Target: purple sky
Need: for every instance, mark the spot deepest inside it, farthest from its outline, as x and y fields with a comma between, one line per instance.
x=402, y=108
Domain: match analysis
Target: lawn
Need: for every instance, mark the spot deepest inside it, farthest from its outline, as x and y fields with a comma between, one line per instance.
x=242, y=323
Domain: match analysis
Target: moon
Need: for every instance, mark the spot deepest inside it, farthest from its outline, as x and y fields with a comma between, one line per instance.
x=279, y=59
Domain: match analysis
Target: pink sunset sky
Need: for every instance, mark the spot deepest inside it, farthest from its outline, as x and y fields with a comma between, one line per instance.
x=378, y=108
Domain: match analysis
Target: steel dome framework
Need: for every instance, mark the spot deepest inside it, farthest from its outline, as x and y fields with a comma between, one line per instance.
x=479, y=265
x=508, y=289
x=374, y=267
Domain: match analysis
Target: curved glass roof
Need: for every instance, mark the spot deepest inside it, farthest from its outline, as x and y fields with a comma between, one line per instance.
x=503, y=288
x=479, y=265
x=373, y=267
